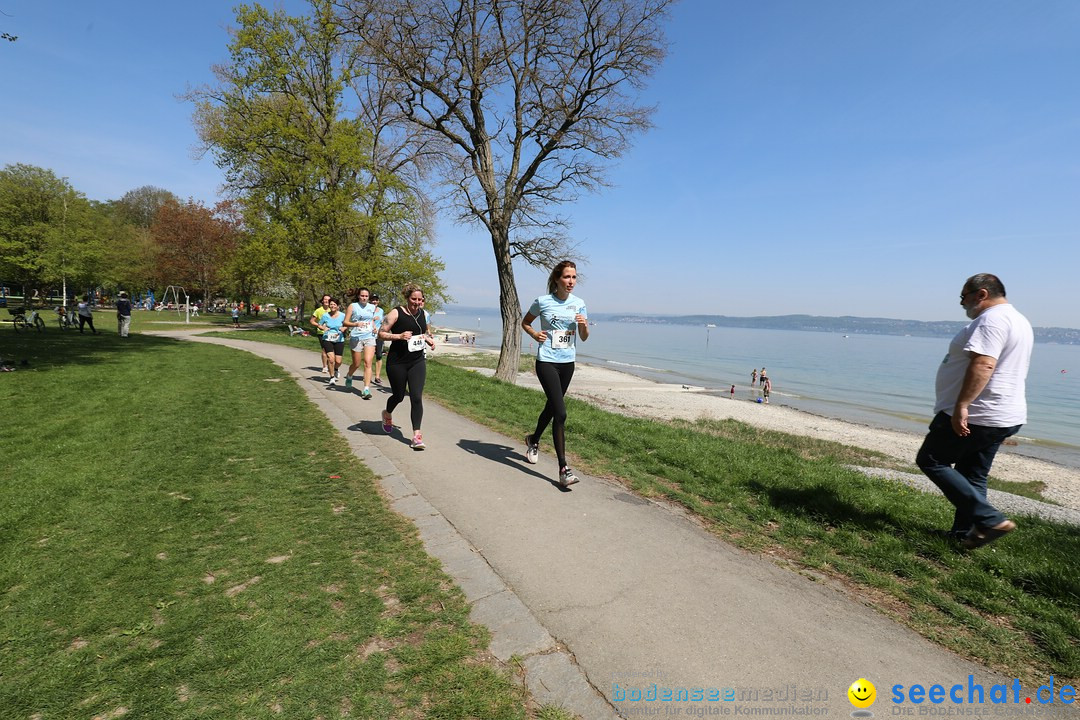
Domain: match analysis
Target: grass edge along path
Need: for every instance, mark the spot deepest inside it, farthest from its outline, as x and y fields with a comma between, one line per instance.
x=1014, y=607
x=172, y=545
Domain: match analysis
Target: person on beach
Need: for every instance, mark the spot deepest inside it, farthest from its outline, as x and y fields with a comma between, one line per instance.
x=332, y=326
x=316, y=316
x=766, y=388
x=981, y=401
x=406, y=327
x=753, y=378
x=361, y=319
x=123, y=314
x=562, y=318
x=378, y=342
x=86, y=315
x=732, y=392
x=761, y=378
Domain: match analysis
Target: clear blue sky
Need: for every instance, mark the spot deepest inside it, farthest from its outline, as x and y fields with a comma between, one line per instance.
x=809, y=156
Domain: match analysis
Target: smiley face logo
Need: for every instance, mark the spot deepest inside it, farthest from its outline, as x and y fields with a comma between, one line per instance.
x=862, y=693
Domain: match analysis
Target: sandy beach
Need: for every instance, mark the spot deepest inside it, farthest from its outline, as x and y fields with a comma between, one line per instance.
x=625, y=393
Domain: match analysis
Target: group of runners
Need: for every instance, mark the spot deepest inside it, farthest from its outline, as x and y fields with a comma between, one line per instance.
x=563, y=318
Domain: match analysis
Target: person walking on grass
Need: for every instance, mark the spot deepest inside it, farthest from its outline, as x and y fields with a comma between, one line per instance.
x=86, y=315
x=123, y=314
x=361, y=319
x=980, y=402
x=332, y=325
x=406, y=327
x=563, y=318
x=236, y=316
x=316, y=317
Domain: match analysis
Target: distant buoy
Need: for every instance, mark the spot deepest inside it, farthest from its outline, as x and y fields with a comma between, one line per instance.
x=1064, y=371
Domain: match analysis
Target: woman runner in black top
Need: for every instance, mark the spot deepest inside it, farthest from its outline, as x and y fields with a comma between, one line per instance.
x=407, y=329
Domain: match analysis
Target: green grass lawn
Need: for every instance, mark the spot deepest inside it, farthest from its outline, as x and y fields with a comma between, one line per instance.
x=183, y=535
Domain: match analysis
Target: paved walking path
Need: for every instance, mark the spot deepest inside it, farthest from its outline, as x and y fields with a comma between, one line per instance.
x=604, y=594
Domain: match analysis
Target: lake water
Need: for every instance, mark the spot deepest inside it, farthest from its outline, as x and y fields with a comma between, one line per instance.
x=878, y=380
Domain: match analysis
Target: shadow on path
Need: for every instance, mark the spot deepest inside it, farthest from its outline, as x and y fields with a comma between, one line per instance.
x=504, y=455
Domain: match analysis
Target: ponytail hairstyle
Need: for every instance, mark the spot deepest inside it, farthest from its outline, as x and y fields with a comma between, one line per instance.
x=556, y=273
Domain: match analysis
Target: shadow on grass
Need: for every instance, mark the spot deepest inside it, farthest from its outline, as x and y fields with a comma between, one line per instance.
x=822, y=503
x=54, y=348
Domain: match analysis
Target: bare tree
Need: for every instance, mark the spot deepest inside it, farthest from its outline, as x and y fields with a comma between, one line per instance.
x=528, y=100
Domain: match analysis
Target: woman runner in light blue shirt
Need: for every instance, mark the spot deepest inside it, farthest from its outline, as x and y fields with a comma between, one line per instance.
x=332, y=324
x=563, y=318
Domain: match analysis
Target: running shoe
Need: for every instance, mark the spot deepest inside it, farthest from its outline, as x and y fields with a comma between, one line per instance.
x=348, y=381
x=418, y=442
x=387, y=423
x=366, y=394
x=567, y=477
x=377, y=381
x=532, y=450
x=333, y=380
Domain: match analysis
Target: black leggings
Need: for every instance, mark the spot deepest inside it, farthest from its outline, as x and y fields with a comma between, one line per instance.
x=555, y=379
x=83, y=320
x=402, y=373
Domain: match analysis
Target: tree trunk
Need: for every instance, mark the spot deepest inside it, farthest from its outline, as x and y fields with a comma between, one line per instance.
x=509, y=308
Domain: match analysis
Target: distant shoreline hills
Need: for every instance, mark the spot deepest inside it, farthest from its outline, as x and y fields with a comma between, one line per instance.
x=848, y=325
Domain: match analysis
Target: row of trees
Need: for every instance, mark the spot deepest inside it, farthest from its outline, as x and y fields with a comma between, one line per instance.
x=52, y=236
x=340, y=132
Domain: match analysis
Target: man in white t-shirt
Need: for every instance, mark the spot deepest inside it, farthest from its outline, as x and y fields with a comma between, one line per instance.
x=980, y=403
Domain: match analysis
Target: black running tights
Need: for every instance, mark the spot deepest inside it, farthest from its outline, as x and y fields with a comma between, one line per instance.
x=402, y=374
x=555, y=379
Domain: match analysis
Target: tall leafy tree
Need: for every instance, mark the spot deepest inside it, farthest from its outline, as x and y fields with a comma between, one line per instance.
x=49, y=232
x=194, y=243
x=301, y=162
x=139, y=206
x=527, y=100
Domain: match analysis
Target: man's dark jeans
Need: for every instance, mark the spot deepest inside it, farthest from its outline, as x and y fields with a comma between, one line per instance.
x=960, y=466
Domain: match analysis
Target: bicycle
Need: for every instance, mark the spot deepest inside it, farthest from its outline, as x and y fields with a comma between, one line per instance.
x=21, y=321
x=68, y=318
